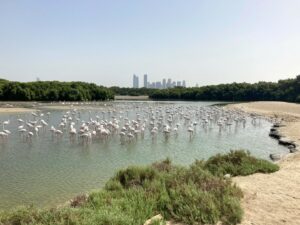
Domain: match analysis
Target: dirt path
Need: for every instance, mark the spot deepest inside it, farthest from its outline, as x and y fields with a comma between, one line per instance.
x=274, y=198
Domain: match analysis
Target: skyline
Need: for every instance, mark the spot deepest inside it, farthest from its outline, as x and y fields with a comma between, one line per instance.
x=203, y=41
x=163, y=83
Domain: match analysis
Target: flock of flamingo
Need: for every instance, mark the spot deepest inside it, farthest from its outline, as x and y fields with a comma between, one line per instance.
x=129, y=121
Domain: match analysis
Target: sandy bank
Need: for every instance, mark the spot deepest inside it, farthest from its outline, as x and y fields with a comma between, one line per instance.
x=16, y=110
x=128, y=97
x=274, y=198
x=68, y=107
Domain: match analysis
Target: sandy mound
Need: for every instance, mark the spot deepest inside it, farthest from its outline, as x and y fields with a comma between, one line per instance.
x=274, y=198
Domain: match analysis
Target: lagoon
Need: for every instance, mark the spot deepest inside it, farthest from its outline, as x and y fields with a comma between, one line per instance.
x=47, y=172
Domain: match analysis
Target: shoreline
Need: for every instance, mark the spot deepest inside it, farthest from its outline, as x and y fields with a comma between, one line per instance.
x=274, y=198
x=16, y=110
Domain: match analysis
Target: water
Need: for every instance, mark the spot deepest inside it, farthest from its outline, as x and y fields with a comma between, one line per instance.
x=47, y=172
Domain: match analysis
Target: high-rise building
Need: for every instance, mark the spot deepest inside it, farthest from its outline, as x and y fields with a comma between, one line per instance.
x=164, y=84
x=158, y=85
x=145, y=80
x=169, y=83
x=135, y=81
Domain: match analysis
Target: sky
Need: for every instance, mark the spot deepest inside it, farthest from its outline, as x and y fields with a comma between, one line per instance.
x=106, y=42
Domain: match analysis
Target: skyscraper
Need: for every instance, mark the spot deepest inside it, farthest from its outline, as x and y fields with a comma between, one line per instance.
x=169, y=83
x=145, y=80
x=183, y=83
x=164, y=83
x=135, y=81
x=158, y=85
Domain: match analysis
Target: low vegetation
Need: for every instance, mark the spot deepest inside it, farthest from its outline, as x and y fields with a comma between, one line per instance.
x=53, y=91
x=198, y=194
x=238, y=163
x=283, y=90
x=132, y=91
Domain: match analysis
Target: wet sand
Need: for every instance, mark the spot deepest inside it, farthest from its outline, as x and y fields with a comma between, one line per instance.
x=16, y=110
x=274, y=198
x=128, y=97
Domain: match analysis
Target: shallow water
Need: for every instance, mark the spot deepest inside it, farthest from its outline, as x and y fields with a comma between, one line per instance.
x=48, y=172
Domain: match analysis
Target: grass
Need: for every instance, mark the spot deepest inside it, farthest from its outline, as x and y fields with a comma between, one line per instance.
x=238, y=163
x=197, y=194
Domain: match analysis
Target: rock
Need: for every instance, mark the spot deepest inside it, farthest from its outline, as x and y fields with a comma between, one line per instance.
x=275, y=134
x=292, y=149
x=227, y=176
x=278, y=125
x=286, y=142
x=154, y=219
x=273, y=129
x=275, y=157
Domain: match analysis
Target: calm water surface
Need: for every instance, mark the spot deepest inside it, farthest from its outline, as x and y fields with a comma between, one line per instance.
x=47, y=173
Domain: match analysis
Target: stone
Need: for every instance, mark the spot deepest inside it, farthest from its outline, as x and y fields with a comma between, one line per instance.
x=275, y=157
x=293, y=150
x=286, y=142
x=275, y=134
x=278, y=125
x=227, y=176
x=154, y=218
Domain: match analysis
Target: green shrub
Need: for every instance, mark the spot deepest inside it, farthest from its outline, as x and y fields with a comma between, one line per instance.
x=135, y=176
x=238, y=163
x=193, y=195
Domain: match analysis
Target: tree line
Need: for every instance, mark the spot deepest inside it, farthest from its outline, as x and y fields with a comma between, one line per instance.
x=53, y=91
x=283, y=90
x=132, y=91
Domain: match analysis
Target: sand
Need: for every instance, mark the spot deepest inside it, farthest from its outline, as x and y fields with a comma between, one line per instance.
x=16, y=110
x=128, y=97
x=274, y=198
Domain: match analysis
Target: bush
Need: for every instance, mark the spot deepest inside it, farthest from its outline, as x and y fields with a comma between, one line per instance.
x=193, y=195
x=238, y=163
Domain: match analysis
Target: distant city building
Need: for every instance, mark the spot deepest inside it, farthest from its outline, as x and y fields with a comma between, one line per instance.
x=145, y=80
x=169, y=83
x=135, y=81
x=164, y=84
x=158, y=85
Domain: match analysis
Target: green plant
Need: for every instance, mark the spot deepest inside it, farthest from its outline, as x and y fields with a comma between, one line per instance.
x=193, y=195
x=238, y=163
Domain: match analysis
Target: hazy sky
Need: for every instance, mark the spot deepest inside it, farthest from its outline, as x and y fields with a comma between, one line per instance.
x=105, y=42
